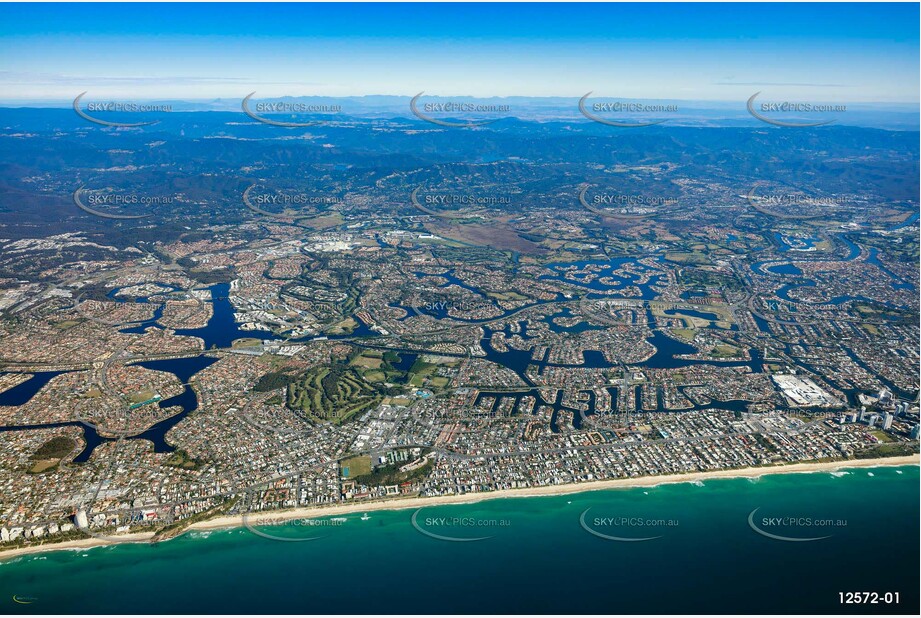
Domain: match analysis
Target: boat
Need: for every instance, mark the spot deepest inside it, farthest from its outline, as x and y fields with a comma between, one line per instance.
x=365, y=517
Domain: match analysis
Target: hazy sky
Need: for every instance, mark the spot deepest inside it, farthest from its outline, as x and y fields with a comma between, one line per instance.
x=817, y=52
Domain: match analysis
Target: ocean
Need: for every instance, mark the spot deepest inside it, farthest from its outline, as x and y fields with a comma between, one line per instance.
x=777, y=544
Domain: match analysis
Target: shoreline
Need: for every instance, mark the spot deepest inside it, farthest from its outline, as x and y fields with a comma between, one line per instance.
x=224, y=522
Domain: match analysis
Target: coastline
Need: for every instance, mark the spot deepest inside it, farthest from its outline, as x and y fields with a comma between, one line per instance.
x=227, y=522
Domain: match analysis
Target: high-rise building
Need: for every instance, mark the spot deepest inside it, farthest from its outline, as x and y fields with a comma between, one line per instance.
x=81, y=520
x=914, y=432
x=887, y=420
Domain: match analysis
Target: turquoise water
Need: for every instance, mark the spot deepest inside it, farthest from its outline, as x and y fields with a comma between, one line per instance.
x=537, y=557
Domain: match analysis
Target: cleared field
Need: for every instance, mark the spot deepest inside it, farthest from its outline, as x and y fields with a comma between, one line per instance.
x=724, y=351
x=420, y=371
x=323, y=222
x=355, y=466
x=487, y=235
x=66, y=324
x=43, y=465
x=143, y=395
x=506, y=296
x=368, y=362
x=687, y=258
x=684, y=333
x=709, y=316
x=344, y=327
x=49, y=454
x=245, y=342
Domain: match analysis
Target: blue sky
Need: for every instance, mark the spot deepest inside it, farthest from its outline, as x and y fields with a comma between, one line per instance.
x=822, y=52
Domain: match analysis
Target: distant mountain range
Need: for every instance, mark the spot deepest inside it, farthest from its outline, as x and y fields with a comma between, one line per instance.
x=890, y=116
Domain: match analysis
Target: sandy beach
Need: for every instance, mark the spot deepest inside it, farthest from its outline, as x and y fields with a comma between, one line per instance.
x=76, y=545
x=275, y=517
